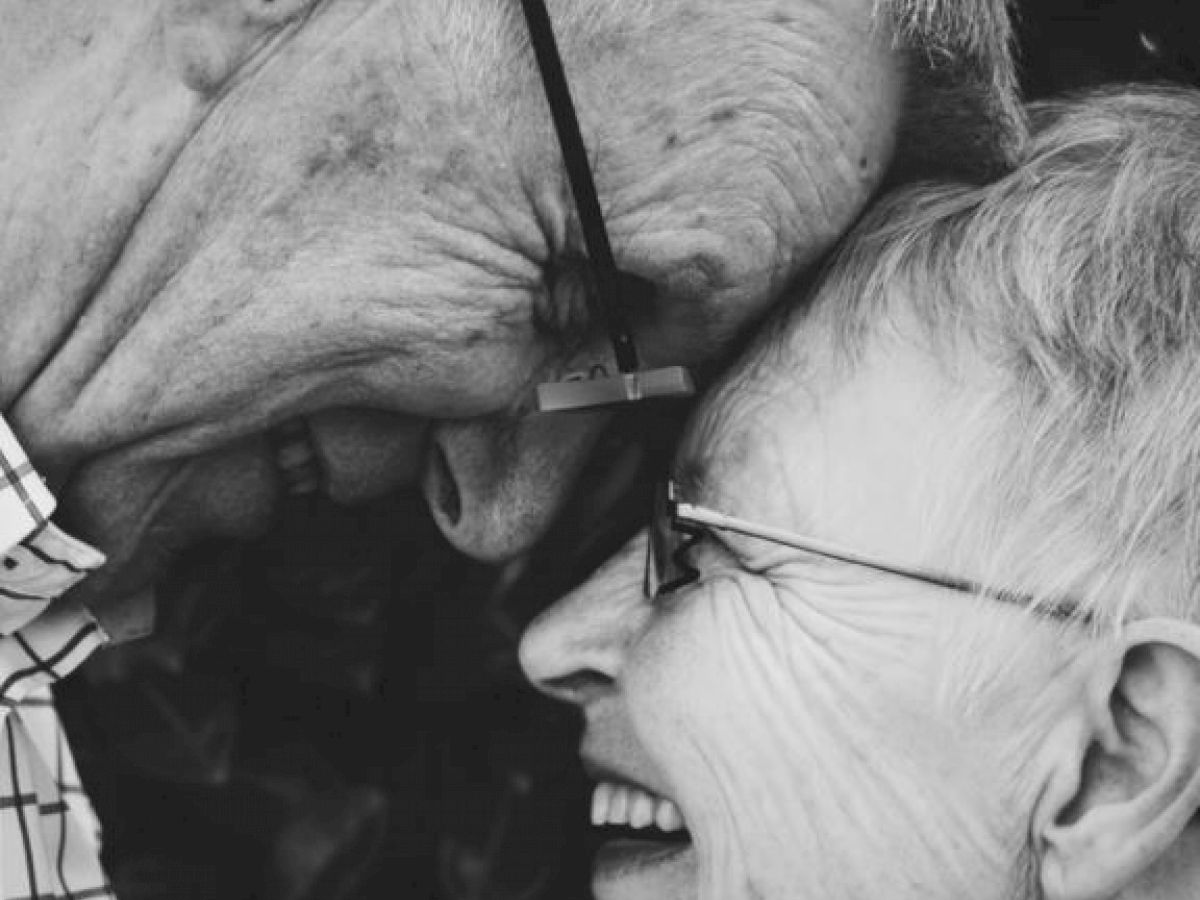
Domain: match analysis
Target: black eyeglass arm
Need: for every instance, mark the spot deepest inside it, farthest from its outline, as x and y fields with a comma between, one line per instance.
x=583, y=187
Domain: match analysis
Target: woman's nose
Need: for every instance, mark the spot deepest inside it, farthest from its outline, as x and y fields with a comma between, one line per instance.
x=574, y=651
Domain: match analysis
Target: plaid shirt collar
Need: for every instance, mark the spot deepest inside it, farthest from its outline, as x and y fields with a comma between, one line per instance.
x=40, y=562
x=49, y=834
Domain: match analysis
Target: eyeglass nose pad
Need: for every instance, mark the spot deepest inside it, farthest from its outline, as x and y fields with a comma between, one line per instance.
x=609, y=390
x=631, y=384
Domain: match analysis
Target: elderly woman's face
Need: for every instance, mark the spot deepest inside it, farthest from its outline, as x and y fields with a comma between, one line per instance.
x=824, y=730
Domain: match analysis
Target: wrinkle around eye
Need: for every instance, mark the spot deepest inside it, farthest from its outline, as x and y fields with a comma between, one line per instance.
x=760, y=642
x=756, y=604
x=561, y=307
x=845, y=616
x=712, y=556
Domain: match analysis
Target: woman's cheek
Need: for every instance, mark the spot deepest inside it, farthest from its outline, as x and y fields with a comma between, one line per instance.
x=722, y=694
x=742, y=685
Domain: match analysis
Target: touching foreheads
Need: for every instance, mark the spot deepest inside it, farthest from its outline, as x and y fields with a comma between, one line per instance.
x=1074, y=283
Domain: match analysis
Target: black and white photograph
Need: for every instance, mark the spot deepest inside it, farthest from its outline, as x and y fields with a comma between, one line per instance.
x=599, y=450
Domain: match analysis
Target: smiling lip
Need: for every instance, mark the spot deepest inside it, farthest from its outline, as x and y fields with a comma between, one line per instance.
x=625, y=858
x=639, y=832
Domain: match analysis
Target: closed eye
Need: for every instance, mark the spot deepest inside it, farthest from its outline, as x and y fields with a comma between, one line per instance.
x=570, y=309
x=682, y=568
x=706, y=552
x=689, y=537
x=564, y=308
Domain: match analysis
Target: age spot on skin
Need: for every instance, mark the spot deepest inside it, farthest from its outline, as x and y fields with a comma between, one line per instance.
x=728, y=114
x=456, y=166
x=361, y=136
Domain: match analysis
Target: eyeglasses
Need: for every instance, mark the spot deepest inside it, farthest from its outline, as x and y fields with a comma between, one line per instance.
x=676, y=527
x=614, y=288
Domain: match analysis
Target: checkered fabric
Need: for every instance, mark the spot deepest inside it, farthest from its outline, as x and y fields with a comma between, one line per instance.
x=49, y=835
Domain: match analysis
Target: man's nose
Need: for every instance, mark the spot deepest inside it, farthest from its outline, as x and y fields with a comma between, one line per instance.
x=574, y=651
x=494, y=485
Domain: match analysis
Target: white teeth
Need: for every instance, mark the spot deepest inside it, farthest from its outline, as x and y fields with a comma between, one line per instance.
x=641, y=810
x=618, y=807
x=667, y=817
x=619, y=804
x=295, y=455
x=601, y=797
x=295, y=459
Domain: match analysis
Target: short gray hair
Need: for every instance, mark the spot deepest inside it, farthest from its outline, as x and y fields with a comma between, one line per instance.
x=1077, y=279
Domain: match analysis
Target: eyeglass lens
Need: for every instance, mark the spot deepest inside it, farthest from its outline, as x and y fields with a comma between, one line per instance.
x=667, y=545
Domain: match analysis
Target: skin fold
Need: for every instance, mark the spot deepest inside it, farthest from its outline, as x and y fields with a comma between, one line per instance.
x=218, y=216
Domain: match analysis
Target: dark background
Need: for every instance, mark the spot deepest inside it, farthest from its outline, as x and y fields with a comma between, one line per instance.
x=336, y=711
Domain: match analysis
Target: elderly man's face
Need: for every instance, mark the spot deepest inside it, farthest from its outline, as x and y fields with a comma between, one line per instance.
x=825, y=730
x=353, y=215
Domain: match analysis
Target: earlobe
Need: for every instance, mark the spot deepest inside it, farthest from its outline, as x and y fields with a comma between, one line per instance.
x=1125, y=785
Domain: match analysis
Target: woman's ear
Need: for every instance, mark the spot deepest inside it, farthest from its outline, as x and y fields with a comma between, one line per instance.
x=1124, y=784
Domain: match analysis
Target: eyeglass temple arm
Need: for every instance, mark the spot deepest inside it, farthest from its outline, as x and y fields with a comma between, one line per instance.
x=583, y=187
x=701, y=515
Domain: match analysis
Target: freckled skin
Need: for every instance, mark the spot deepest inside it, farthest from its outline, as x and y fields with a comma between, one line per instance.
x=218, y=216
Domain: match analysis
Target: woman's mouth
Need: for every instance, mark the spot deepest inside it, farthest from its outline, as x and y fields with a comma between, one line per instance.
x=638, y=832
x=624, y=805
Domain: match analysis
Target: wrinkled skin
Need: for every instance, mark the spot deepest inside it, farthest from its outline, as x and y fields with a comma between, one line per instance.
x=826, y=730
x=218, y=216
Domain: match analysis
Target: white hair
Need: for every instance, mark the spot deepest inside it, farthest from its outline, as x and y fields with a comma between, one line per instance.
x=1076, y=280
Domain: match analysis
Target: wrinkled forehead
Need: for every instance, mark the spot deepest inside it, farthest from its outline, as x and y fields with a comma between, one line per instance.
x=646, y=77
x=656, y=53
x=731, y=142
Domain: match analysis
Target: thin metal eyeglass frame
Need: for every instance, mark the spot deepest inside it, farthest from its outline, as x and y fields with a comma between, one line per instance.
x=687, y=519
